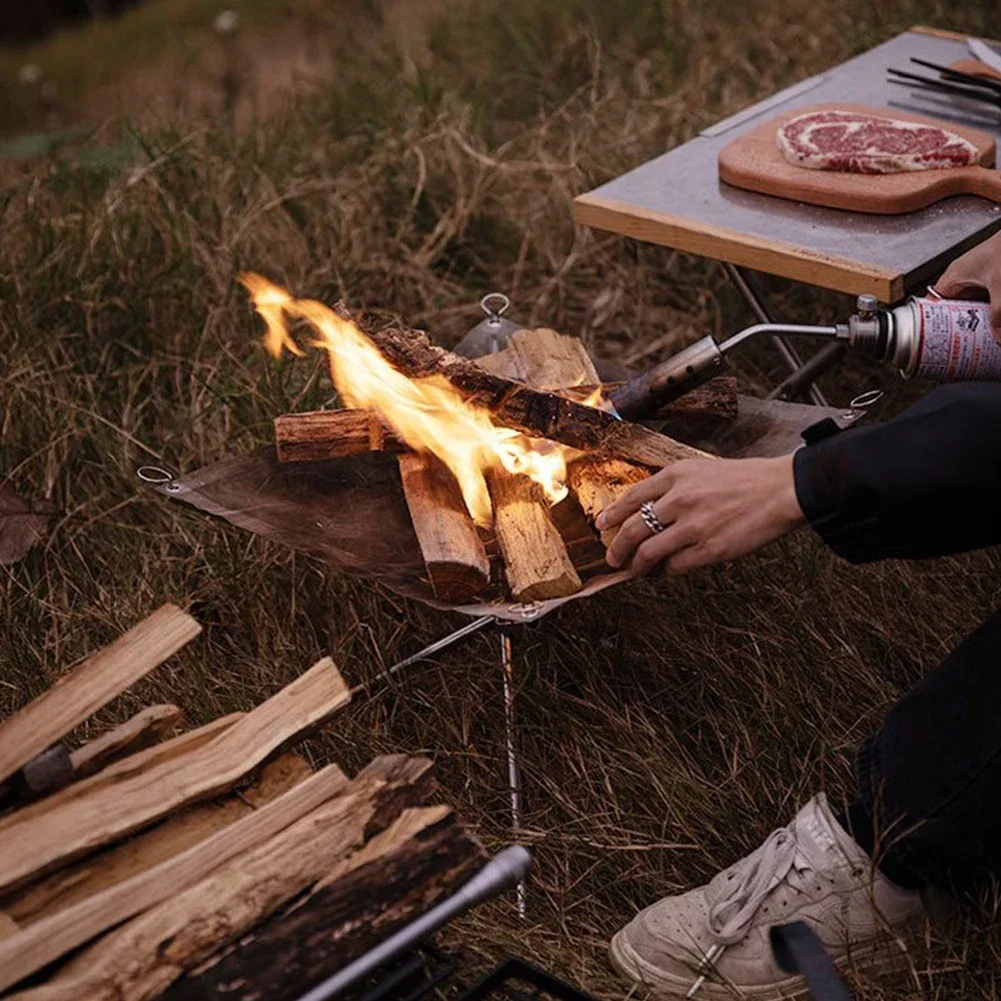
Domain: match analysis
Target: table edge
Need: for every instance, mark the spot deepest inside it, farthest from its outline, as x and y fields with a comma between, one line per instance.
x=719, y=243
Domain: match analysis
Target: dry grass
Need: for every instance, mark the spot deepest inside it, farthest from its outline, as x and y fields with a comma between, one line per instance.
x=664, y=728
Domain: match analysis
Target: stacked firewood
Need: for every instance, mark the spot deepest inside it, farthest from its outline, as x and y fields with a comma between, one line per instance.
x=538, y=385
x=204, y=863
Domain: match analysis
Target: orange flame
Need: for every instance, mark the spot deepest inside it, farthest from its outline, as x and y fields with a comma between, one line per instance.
x=427, y=413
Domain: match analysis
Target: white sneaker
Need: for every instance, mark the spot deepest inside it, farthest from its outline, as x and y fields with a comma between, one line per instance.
x=713, y=942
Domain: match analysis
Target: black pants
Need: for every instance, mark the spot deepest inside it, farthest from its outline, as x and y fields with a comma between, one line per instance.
x=930, y=780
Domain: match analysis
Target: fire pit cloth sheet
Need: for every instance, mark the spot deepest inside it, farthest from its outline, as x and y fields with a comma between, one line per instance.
x=351, y=513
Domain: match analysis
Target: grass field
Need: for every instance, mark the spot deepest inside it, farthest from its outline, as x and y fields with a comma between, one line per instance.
x=429, y=155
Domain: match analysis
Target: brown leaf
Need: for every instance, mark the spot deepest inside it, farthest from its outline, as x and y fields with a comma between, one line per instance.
x=22, y=525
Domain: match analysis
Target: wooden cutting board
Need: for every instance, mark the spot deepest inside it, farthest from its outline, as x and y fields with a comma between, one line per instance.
x=976, y=68
x=754, y=161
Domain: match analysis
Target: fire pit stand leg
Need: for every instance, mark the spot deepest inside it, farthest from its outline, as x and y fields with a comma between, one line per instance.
x=745, y=285
x=513, y=769
x=446, y=641
x=507, y=674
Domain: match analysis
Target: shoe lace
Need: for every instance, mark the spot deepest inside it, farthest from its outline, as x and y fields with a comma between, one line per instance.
x=735, y=899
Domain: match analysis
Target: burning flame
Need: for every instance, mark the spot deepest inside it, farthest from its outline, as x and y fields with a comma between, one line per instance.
x=429, y=414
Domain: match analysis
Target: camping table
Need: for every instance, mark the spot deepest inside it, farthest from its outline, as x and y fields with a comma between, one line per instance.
x=677, y=200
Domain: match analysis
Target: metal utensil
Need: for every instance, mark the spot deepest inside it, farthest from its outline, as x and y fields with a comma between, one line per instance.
x=958, y=76
x=915, y=81
x=507, y=868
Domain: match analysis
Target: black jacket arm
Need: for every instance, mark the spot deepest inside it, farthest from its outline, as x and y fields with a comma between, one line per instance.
x=926, y=483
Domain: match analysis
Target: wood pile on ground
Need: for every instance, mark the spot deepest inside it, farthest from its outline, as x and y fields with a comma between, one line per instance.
x=155, y=861
x=538, y=386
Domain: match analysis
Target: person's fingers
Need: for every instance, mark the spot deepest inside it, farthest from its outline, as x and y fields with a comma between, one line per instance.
x=995, y=298
x=661, y=547
x=690, y=558
x=959, y=282
x=629, y=503
x=631, y=535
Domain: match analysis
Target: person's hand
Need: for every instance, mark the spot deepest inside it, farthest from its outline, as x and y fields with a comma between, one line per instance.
x=976, y=275
x=714, y=510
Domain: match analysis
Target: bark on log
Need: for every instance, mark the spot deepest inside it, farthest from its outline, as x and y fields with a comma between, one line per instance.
x=716, y=399
x=453, y=551
x=599, y=482
x=148, y=727
x=536, y=561
x=45, y=941
x=535, y=413
x=127, y=859
x=419, y=861
x=333, y=434
x=141, y=959
x=94, y=683
x=84, y=816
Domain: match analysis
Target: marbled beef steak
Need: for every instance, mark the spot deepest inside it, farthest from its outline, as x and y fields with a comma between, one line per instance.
x=856, y=143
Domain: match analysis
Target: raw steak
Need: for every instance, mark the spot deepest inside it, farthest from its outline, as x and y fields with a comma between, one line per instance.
x=857, y=143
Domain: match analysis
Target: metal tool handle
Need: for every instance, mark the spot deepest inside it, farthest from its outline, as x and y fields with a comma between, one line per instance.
x=506, y=869
x=698, y=363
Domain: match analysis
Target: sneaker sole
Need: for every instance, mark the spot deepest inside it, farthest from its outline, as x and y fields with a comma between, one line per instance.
x=880, y=959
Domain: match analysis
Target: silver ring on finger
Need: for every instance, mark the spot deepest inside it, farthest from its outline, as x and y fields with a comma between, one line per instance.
x=650, y=519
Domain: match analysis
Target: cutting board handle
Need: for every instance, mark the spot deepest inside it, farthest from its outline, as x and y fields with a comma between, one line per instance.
x=986, y=183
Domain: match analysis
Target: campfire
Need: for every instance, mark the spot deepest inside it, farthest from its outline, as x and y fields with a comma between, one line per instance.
x=499, y=459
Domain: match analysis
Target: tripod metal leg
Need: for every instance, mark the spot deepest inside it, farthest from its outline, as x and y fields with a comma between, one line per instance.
x=789, y=354
x=446, y=641
x=513, y=771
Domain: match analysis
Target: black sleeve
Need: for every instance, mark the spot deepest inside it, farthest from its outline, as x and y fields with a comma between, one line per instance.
x=927, y=483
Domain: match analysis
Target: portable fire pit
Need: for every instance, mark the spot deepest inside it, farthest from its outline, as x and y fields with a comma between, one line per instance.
x=502, y=531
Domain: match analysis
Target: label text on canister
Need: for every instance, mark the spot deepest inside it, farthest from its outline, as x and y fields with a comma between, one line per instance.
x=956, y=341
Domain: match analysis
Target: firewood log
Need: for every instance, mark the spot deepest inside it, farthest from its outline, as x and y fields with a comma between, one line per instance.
x=127, y=859
x=542, y=359
x=139, y=960
x=599, y=482
x=421, y=859
x=536, y=561
x=147, y=727
x=45, y=941
x=94, y=683
x=715, y=399
x=92, y=813
x=453, y=551
x=534, y=413
x=333, y=434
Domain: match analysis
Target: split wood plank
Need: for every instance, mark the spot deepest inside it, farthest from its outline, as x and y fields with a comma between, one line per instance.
x=45, y=941
x=92, y=685
x=454, y=554
x=138, y=961
x=128, y=859
x=536, y=562
x=421, y=859
x=534, y=413
x=82, y=818
x=333, y=434
x=147, y=727
x=542, y=359
x=599, y=482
